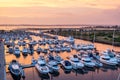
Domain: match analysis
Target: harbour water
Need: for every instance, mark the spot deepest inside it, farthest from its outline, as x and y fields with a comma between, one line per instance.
x=104, y=73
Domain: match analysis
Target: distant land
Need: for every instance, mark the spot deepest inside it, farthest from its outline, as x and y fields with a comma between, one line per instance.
x=16, y=26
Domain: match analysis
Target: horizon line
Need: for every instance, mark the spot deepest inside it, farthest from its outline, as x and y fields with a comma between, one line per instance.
x=58, y=25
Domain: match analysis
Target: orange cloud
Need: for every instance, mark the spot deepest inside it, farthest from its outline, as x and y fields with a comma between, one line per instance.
x=102, y=4
x=59, y=11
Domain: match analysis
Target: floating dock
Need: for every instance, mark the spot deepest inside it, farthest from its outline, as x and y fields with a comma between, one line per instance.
x=2, y=62
x=28, y=66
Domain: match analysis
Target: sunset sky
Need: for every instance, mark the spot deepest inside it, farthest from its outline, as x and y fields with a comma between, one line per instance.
x=60, y=12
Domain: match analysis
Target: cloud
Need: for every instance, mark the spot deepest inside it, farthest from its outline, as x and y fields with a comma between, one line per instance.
x=60, y=11
x=101, y=4
x=48, y=15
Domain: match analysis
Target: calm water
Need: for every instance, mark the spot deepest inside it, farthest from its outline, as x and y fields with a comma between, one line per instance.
x=104, y=73
x=17, y=27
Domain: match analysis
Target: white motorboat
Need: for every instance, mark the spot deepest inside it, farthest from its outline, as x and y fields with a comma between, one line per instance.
x=63, y=48
x=76, y=63
x=16, y=51
x=38, y=50
x=87, y=61
x=34, y=42
x=15, y=69
x=84, y=47
x=31, y=42
x=106, y=59
x=19, y=43
x=43, y=42
x=81, y=52
x=57, y=49
x=7, y=41
x=25, y=51
x=118, y=57
x=10, y=50
x=33, y=61
x=39, y=42
x=52, y=64
x=91, y=46
x=24, y=43
x=49, y=41
x=67, y=48
x=41, y=66
x=110, y=53
x=51, y=49
x=58, y=59
x=66, y=64
x=55, y=41
x=76, y=47
x=44, y=50
x=70, y=39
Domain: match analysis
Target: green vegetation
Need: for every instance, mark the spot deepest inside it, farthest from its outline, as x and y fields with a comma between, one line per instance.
x=103, y=36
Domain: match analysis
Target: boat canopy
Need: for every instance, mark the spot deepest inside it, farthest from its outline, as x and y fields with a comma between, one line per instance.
x=67, y=63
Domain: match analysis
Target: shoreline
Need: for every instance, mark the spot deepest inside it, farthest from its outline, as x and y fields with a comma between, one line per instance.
x=105, y=37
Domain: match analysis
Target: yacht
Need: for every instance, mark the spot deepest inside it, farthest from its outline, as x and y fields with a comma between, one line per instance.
x=10, y=50
x=39, y=42
x=80, y=53
x=49, y=41
x=87, y=61
x=34, y=42
x=55, y=41
x=44, y=50
x=63, y=48
x=38, y=50
x=67, y=48
x=41, y=66
x=106, y=59
x=19, y=43
x=24, y=43
x=118, y=57
x=91, y=46
x=16, y=51
x=66, y=64
x=51, y=49
x=76, y=47
x=15, y=69
x=33, y=61
x=52, y=64
x=70, y=39
x=25, y=51
x=76, y=63
x=57, y=49
x=84, y=47
x=43, y=42
x=58, y=59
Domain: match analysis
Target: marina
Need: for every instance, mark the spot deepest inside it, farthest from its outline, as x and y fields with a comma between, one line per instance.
x=59, y=39
x=65, y=57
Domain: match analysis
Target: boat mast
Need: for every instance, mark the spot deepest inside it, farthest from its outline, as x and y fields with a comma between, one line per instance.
x=76, y=32
x=81, y=32
x=94, y=35
x=113, y=36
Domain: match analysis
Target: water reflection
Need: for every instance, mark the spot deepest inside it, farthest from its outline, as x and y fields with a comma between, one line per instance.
x=80, y=71
x=15, y=77
x=67, y=71
x=43, y=76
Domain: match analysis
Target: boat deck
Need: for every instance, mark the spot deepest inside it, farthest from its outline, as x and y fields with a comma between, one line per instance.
x=2, y=62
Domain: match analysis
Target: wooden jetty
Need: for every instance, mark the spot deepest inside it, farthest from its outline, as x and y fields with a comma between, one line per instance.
x=2, y=62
